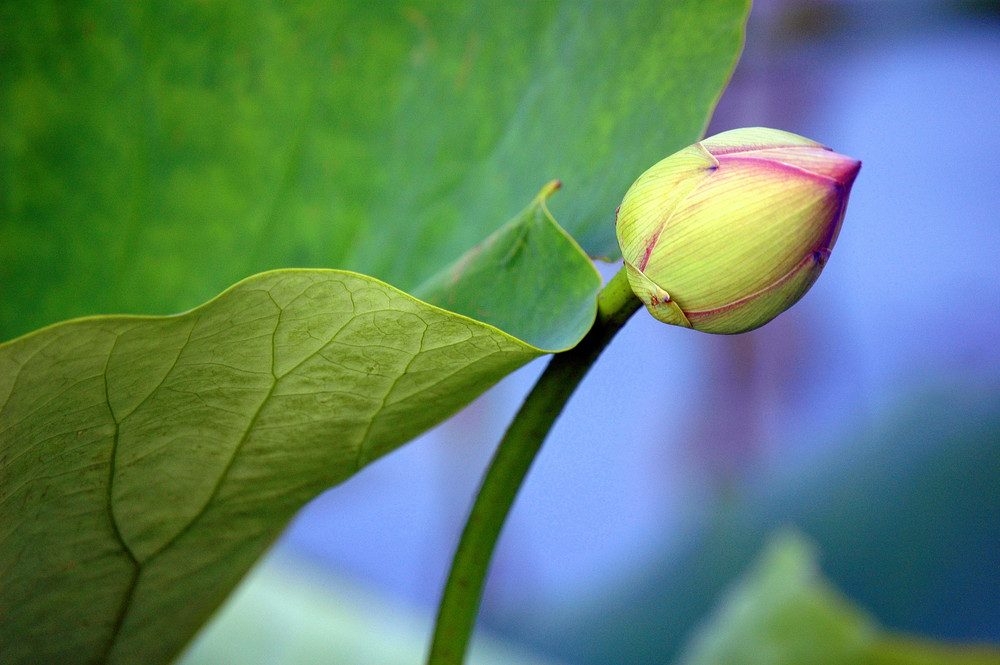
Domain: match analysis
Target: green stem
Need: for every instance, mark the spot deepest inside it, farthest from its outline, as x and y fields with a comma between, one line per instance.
x=513, y=457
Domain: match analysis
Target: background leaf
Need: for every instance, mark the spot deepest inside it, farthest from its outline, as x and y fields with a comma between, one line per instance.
x=148, y=461
x=155, y=153
x=784, y=613
x=168, y=452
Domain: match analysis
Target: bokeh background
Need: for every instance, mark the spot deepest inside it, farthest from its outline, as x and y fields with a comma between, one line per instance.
x=867, y=417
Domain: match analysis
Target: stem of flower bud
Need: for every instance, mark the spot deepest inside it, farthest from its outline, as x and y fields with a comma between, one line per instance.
x=511, y=462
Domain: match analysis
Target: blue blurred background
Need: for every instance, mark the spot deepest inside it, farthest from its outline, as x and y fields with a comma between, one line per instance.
x=868, y=416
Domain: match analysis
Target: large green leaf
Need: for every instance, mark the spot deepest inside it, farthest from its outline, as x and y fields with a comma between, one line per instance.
x=153, y=153
x=148, y=461
x=784, y=613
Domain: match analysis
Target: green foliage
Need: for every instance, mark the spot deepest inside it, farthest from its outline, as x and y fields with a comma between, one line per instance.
x=784, y=613
x=155, y=153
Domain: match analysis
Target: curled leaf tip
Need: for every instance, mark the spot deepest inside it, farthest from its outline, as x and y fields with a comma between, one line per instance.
x=549, y=189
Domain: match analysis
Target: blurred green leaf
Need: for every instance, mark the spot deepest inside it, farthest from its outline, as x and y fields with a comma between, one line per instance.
x=155, y=153
x=783, y=612
x=289, y=611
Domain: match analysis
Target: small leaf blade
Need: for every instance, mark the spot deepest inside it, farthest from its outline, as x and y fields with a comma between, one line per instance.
x=531, y=259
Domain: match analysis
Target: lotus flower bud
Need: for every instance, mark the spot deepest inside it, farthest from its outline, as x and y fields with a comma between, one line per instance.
x=729, y=232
